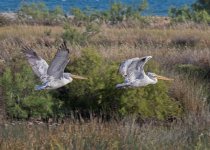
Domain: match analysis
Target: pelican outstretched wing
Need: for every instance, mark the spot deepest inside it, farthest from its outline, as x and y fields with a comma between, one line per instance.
x=38, y=64
x=58, y=64
x=133, y=68
x=124, y=66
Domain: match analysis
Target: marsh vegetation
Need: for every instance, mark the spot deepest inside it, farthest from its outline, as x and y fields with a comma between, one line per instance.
x=93, y=114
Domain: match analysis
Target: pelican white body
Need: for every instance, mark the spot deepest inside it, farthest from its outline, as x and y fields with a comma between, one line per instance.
x=57, y=83
x=133, y=72
x=54, y=83
x=143, y=82
x=138, y=82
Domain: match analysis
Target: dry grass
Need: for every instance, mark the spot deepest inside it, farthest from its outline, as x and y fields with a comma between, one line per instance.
x=115, y=42
x=153, y=37
x=110, y=135
x=25, y=31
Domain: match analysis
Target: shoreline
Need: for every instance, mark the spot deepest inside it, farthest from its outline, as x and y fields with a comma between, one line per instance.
x=155, y=21
x=14, y=15
x=9, y=15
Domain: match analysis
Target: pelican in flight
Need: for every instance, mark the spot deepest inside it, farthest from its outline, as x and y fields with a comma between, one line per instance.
x=52, y=76
x=133, y=72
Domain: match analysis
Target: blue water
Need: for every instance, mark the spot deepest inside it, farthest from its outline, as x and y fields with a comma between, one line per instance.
x=156, y=7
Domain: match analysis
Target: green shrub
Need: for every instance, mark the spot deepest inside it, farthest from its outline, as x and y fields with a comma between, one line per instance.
x=87, y=16
x=4, y=20
x=74, y=36
x=87, y=95
x=99, y=94
x=22, y=101
x=117, y=13
x=201, y=17
x=131, y=12
x=202, y=5
x=40, y=13
x=79, y=16
x=182, y=14
x=92, y=29
x=151, y=101
x=197, y=12
x=191, y=70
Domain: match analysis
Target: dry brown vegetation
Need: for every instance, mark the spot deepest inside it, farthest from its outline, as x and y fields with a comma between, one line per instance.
x=179, y=52
x=192, y=133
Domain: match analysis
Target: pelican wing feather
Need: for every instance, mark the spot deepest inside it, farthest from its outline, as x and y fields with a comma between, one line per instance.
x=58, y=64
x=124, y=66
x=39, y=65
x=133, y=68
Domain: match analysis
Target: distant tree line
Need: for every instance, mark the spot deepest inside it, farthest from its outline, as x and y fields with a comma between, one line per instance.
x=118, y=12
x=198, y=12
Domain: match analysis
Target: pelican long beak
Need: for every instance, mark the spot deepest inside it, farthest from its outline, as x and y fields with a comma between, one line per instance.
x=164, y=78
x=78, y=77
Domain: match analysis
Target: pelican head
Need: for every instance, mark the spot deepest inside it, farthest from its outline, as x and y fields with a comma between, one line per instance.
x=148, y=58
x=156, y=77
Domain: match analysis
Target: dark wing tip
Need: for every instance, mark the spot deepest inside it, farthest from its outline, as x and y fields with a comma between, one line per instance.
x=26, y=49
x=63, y=47
x=29, y=52
x=143, y=59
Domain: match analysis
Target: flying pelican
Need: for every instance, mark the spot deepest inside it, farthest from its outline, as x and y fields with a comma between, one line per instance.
x=133, y=72
x=53, y=76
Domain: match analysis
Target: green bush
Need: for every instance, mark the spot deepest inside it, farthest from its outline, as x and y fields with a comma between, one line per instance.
x=79, y=16
x=99, y=94
x=22, y=101
x=182, y=14
x=92, y=29
x=87, y=16
x=151, y=101
x=202, y=5
x=197, y=12
x=74, y=36
x=40, y=13
x=201, y=16
x=191, y=70
x=87, y=95
x=4, y=20
x=117, y=13
x=120, y=12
